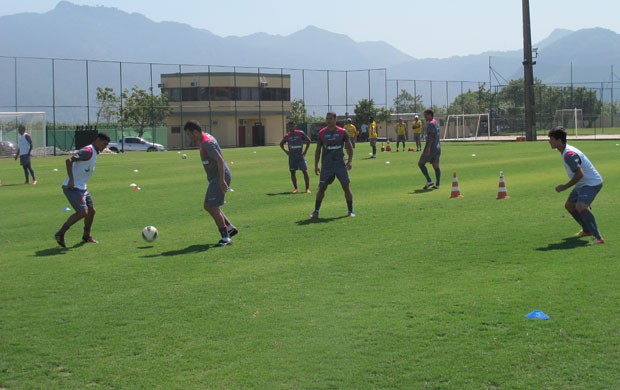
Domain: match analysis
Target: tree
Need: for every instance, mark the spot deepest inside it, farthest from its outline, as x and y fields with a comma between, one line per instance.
x=143, y=109
x=298, y=111
x=108, y=105
x=407, y=103
x=364, y=109
x=471, y=102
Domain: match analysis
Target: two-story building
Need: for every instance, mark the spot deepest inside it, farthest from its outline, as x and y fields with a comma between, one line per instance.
x=239, y=109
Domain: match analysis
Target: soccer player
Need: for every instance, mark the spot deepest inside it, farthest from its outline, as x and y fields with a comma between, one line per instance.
x=332, y=140
x=401, y=129
x=351, y=131
x=416, y=126
x=432, y=150
x=296, y=154
x=373, y=134
x=24, y=152
x=80, y=168
x=218, y=176
x=585, y=179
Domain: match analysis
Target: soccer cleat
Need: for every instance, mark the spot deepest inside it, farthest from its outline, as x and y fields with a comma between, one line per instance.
x=581, y=233
x=435, y=186
x=295, y=191
x=89, y=240
x=428, y=185
x=596, y=241
x=308, y=191
x=60, y=239
x=232, y=231
x=314, y=215
x=351, y=214
x=224, y=241
x=34, y=182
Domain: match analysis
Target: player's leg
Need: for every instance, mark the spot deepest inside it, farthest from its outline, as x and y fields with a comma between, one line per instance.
x=214, y=198
x=294, y=180
x=422, y=165
x=435, y=164
x=327, y=177
x=292, y=166
x=585, y=198
x=306, y=180
x=570, y=206
x=77, y=199
x=89, y=218
x=29, y=167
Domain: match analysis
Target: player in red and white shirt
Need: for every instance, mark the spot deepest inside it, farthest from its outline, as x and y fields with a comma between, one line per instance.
x=80, y=168
x=296, y=139
x=218, y=176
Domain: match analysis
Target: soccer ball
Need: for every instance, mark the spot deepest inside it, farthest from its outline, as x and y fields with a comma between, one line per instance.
x=149, y=233
x=184, y=156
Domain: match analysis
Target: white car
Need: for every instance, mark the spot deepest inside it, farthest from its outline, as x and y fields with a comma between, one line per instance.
x=134, y=144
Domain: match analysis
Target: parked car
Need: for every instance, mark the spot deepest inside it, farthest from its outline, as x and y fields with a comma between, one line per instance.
x=7, y=148
x=134, y=144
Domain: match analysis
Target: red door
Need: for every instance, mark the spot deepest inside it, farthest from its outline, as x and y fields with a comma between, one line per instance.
x=241, y=140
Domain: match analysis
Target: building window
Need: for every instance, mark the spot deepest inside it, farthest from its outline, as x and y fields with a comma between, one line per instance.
x=175, y=130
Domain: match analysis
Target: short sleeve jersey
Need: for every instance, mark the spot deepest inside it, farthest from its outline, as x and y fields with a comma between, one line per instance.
x=417, y=126
x=351, y=130
x=24, y=144
x=83, y=168
x=574, y=159
x=401, y=128
x=333, y=146
x=209, y=149
x=295, y=141
x=433, y=136
x=373, y=133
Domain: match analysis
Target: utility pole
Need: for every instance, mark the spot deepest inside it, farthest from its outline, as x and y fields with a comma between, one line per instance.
x=528, y=75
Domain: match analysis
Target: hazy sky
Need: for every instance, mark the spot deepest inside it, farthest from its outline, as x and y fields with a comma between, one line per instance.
x=438, y=29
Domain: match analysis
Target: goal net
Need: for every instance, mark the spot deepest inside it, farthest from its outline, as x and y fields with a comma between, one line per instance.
x=462, y=126
x=34, y=122
x=570, y=118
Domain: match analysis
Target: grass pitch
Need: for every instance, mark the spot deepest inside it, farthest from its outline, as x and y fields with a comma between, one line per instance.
x=417, y=291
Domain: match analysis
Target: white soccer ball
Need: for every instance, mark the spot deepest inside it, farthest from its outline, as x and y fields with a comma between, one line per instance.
x=184, y=156
x=149, y=233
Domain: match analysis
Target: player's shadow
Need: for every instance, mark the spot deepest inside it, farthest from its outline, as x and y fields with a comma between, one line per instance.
x=279, y=193
x=51, y=252
x=184, y=251
x=421, y=191
x=566, y=243
x=311, y=221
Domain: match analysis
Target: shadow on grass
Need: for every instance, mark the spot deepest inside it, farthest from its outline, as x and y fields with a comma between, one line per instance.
x=184, y=251
x=51, y=252
x=567, y=243
x=279, y=193
x=311, y=221
x=421, y=191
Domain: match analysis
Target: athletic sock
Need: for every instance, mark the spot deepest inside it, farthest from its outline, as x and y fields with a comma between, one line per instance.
x=350, y=205
x=317, y=205
x=425, y=173
x=437, y=176
x=86, y=232
x=590, y=222
x=64, y=228
x=224, y=232
x=577, y=217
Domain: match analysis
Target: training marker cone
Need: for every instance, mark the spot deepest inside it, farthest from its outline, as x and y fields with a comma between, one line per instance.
x=501, y=191
x=456, y=191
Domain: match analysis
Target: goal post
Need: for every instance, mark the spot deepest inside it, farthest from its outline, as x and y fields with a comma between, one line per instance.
x=569, y=118
x=463, y=126
x=35, y=124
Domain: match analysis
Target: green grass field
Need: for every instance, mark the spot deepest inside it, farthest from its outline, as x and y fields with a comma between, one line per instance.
x=417, y=291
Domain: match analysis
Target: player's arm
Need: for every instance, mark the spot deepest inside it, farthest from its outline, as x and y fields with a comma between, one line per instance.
x=573, y=162
x=317, y=156
x=219, y=160
x=349, y=148
x=29, y=144
x=307, y=141
x=282, y=146
x=69, y=165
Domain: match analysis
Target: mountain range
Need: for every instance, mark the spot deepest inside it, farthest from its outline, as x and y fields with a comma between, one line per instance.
x=104, y=33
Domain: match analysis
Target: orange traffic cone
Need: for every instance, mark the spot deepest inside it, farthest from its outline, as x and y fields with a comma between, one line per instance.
x=388, y=148
x=502, y=193
x=456, y=191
